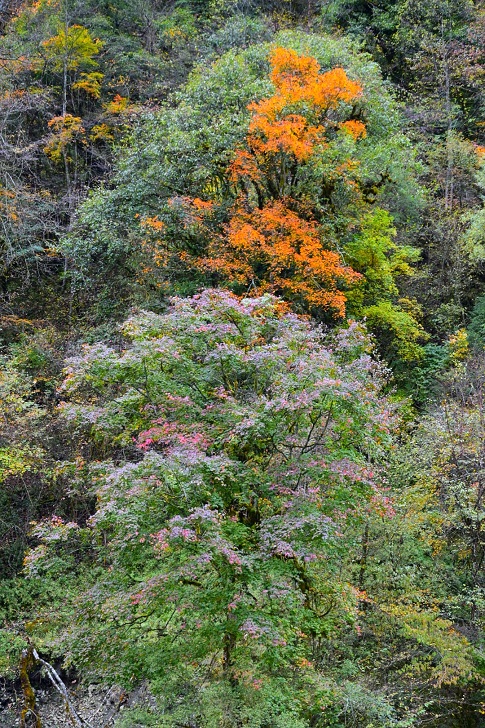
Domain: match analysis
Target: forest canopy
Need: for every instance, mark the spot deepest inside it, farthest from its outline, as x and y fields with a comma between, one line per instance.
x=242, y=331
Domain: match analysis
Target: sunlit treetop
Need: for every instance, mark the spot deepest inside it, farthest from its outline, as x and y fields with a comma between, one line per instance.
x=275, y=125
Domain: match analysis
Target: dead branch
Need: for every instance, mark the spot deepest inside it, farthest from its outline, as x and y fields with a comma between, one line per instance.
x=56, y=681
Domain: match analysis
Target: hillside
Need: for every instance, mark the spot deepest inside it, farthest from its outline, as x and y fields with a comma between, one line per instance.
x=242, y=334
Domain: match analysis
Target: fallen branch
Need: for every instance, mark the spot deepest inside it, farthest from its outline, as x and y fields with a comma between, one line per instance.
x=61, y=688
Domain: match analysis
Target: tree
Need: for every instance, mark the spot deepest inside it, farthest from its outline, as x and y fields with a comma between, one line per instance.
x=250, y=447
x=393, y=319
x=438, y=478
x=273, y=241
x=72, y=49
x=21, y=459
x=185, y=151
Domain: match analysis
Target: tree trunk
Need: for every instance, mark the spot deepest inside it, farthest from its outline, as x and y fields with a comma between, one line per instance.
x=28, y=717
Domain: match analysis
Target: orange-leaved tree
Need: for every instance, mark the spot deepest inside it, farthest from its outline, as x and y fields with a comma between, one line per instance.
x=287, y=128
x=276, y=238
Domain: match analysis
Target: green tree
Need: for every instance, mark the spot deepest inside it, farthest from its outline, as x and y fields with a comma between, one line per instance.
x=210, y=121
x=216, y=546
x=394, y=320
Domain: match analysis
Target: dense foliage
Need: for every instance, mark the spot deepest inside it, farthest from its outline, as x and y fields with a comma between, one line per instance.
x=242, y=323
